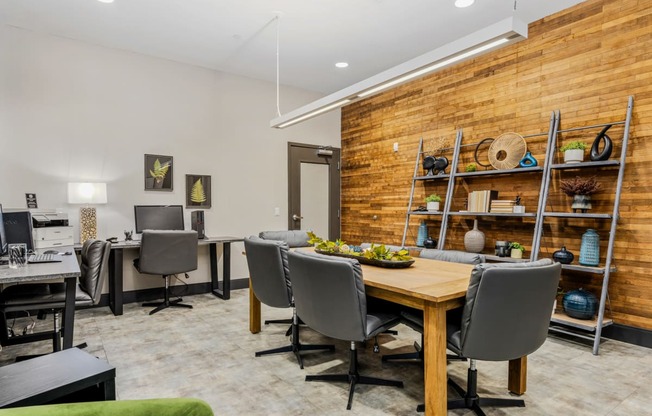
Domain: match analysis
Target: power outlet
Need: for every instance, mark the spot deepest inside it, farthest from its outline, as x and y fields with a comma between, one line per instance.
x=277, y=211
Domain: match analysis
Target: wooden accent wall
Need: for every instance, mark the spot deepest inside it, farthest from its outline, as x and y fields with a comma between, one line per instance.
x=584, y=61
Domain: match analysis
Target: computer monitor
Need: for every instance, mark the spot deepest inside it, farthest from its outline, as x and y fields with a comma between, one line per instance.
x=158, y=217
x=3, y=236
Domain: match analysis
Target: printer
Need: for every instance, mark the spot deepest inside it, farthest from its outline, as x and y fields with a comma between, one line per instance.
x=49, y=218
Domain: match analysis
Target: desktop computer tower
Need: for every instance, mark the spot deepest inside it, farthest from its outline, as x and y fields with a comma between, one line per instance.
x=197, y=222
x=18, y=228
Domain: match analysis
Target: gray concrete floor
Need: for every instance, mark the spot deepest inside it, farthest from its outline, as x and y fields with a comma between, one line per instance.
x=208, y=352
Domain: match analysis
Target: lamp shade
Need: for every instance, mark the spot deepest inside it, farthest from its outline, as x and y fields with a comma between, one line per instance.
x=86, y=193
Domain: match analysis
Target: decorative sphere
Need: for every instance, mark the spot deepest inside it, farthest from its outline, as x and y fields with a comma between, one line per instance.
x=580, y=304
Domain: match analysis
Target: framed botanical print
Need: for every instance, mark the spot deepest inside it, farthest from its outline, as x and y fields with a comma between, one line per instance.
x=198, y=191
x=158, y=173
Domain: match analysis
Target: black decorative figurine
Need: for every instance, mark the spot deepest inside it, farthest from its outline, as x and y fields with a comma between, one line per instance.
x=128, y=235
x=596, y=154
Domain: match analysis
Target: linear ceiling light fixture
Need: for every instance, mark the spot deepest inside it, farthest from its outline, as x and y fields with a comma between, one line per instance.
x=502, y=33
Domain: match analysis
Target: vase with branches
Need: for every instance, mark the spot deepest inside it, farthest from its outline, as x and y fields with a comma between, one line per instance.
x=581, y=189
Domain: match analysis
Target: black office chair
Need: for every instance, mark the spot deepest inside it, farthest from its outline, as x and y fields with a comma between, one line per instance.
x=330, y=298
x=268, y=270
x=167, y=253
x=293, y=238
x=52, y=296
x=505, y=316
x=414, y=317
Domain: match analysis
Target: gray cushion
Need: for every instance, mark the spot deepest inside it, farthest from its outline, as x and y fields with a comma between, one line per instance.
x=293, y=238
x=452, y=256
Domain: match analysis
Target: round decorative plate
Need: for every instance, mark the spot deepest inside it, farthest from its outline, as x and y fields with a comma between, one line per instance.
x=507, y=150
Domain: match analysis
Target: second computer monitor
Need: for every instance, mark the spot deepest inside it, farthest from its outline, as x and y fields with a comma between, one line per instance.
x=158, y=217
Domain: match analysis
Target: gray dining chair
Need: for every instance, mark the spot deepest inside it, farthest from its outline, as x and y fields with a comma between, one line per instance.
x=506, y=315
x=414, y=317
x=293, y=238
x=267, y=261
x=330, y=298
x=52, y=296
x=167, y=253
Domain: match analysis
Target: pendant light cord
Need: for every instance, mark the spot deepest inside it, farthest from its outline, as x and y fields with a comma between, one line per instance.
x=278, y=58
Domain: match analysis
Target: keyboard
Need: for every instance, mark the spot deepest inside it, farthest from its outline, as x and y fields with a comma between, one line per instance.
x=43, y=258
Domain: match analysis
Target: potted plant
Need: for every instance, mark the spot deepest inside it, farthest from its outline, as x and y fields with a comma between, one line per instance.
x=573, y=151
x=581, y=190
x=432, y=202
x=471, y=167
x=517, y=250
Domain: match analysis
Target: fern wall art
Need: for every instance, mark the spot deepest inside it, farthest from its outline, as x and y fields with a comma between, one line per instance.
x=198, y=191
x=158, y=173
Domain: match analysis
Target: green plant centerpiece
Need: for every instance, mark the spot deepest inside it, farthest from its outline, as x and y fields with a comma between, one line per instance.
x=573, y=151
x=378, y=255
x=517, y=250
x=581, y=190
x=432, y=202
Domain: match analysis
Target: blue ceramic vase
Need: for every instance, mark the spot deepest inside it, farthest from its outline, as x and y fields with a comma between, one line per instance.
x=422, y=234
x=528, y=161
x=580, y=304
x=590, y=248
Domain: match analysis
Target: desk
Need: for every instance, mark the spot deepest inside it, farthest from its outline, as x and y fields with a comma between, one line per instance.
x=68, y=269
x=51, y=377
x=433, y=287
x=116, y=276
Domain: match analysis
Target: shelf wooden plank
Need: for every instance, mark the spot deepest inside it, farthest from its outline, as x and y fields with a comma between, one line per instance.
x=584, y=165
x=587, y=269
x=492, y=214
x=577, y=215
x=559, y=317
x=505, y=259
x=500, y=172
x=425, y=213
x=431, y=177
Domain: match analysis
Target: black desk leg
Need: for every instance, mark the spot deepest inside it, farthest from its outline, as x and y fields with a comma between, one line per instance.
x=69, y=312
x=115, y=281
x=109, y=389
x=225, y=292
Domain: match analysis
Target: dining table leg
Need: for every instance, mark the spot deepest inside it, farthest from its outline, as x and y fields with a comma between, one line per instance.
x=254, y=311
x=517, y=381
x=434, y=357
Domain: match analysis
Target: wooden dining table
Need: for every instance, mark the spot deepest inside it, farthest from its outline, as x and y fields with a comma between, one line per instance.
x=434, y=287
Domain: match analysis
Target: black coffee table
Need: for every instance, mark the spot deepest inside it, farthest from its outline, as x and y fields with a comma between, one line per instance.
x=56, y=378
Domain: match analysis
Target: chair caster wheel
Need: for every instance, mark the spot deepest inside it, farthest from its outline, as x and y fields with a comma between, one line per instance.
x=376, y=349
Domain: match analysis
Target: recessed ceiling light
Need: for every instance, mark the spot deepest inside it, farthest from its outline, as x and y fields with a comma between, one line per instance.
x=342, y=64
x=105, y=1
x=463, y=3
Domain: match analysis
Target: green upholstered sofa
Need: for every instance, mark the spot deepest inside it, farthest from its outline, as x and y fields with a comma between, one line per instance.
x=149, y=407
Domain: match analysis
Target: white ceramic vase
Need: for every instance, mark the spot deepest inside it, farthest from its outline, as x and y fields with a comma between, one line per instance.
x=432, y=206
x=574, y=156
x=474, y=239
x=517, y=254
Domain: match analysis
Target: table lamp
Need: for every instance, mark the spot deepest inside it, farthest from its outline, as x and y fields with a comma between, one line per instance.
x=87, y=193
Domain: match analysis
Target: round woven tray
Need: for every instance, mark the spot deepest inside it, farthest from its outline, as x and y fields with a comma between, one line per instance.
x=507, y=150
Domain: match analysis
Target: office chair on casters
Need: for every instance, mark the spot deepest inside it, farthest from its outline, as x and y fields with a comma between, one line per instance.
x=52, y=296
x=167, y=253
x=293, y=238
x=268, y=270
x=330, y=298
x=506, y=316
x=414, y=318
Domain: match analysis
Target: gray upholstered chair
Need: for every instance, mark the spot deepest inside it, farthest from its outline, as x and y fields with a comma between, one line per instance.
x=506, y=316
x=413, y=317
x=293, y=238
x=330, y=298
x=167, y=253
x=52, y=296
x=268, y=270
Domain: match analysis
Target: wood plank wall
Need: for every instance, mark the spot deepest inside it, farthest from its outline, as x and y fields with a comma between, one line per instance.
x=584, y=61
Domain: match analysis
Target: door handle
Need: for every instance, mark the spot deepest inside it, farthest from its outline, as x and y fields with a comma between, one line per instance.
x=295, y=217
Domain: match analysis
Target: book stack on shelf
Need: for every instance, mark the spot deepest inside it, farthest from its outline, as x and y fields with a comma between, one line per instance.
x=502, y=206
x=480, y=201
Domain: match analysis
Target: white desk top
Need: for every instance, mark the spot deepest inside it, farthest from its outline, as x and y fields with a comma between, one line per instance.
x=68, y=267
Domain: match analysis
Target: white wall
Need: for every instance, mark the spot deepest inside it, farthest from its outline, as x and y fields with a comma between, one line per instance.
x=71, y=111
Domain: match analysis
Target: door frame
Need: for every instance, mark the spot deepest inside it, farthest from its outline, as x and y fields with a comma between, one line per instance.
x=323, y=155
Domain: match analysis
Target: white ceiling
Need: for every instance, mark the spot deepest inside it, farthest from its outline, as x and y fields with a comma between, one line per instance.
x=239, y=36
